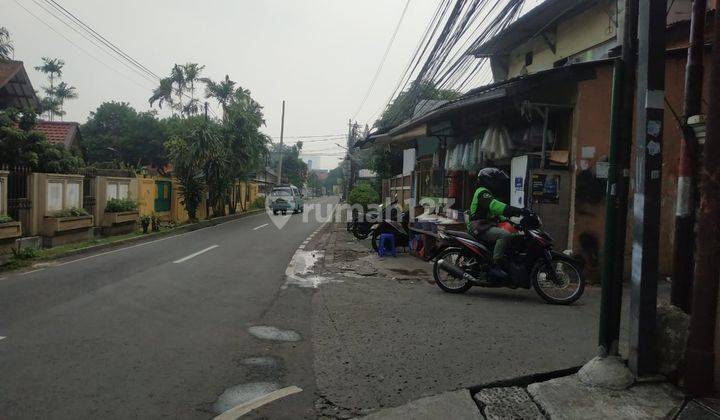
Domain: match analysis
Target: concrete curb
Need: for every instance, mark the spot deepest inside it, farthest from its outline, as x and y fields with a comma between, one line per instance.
x=524, y=381
x=152, y=236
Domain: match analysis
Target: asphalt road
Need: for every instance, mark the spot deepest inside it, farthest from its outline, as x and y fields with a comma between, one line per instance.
x=158, y=329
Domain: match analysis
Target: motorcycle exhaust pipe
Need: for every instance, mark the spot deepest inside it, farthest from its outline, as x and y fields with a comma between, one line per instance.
x=456, y=271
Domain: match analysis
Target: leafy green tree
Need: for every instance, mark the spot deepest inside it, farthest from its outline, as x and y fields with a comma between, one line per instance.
x=221, y=91
x=401, y=109
x=247, y=146
x=191, y=73
x=334, y=177
x=313, y=183
x=52, y=67
x=116, y=134
x=188, y=172
x=56, y=96
x=293, y=168
x=363, y=194
x=163, y=93
x=60, y=94
x=22, y=145
x=6, y=46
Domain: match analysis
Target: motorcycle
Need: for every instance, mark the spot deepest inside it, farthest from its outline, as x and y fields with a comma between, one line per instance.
x=463, y=262
x=400, y=229
x=361, y=225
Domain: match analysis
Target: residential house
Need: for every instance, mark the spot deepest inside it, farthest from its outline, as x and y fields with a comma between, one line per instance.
x=15, y=87
x=63, y=133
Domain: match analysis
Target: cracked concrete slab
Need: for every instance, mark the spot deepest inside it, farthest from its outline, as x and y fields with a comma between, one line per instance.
x=568, y=398
x=507, y=403
x=456, y=405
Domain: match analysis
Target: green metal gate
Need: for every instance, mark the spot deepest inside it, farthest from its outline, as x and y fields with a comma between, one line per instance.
x=164, y=195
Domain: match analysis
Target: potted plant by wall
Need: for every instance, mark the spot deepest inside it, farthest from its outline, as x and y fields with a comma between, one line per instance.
x=66, y=220
x=145, y=223
x=120, y=216
x=9, y=228
x=155, y=220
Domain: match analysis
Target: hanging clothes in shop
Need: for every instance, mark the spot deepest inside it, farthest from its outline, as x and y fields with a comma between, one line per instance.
x=496, y=143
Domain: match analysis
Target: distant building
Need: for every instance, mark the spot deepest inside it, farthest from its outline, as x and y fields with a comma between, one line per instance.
x=63, y=133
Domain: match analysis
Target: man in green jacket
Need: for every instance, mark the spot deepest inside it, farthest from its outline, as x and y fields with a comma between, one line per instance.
x=486, y=212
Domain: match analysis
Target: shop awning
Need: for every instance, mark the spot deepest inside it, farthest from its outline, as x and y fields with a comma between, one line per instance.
x=507, y=89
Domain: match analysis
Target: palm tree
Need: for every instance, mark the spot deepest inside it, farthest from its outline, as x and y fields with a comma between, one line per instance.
x=191, y=73
x=53, y=68
x=177, y=76
x=222, y=92
x=62, y=92
x=6, y=46
x=162, y=93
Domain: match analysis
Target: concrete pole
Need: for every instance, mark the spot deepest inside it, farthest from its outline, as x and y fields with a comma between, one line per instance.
x=683, y=245
x=282, y=132
x=700, y=355
x=650, y=105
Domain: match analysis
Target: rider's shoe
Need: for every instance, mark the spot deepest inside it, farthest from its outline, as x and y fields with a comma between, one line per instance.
x=496, y=272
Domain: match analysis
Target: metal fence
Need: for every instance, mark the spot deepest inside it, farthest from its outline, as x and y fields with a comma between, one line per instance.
x=19, y=203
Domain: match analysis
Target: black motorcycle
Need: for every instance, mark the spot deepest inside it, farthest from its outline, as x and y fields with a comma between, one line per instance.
x=463, y=262
x=400, y=229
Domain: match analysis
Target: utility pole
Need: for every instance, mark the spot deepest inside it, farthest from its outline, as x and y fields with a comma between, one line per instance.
x=650, y=105
x=282, y=132
x=700, y=350
x=683, y=246
x=621, y=135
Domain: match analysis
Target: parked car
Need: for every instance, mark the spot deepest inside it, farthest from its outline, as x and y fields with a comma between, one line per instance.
x=284, y=198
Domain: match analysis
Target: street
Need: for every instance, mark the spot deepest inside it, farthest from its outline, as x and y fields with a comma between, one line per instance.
x=165, y=328
x=142, y=333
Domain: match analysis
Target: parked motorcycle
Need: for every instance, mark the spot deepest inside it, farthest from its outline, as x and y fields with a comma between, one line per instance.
x=463, y=262
x=361, y=224
x=401, y=230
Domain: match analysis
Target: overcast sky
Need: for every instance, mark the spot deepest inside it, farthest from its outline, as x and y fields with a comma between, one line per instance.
x=318, y=55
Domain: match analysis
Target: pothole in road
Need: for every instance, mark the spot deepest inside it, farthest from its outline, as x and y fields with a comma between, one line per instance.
x=265, y=332
x=240, y=394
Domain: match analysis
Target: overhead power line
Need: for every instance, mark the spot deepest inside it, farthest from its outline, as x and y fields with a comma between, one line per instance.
x=90, y=40
x=101, y=38
x=382, y=61
x=52, y=28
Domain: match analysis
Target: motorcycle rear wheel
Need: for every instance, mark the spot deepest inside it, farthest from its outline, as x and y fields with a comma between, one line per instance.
x=446, y=281
x=360, y=231
x=569, y=279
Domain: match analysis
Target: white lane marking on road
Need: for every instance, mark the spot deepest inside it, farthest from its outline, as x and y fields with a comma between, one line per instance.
x=261, y=226
x=32, y=271
x=195, y=254
x=124, y=248
x=152, y=242
x=242, y=409
x=2, y=338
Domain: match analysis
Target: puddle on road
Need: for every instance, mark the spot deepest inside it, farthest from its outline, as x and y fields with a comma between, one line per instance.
x=313, y=281
x=306, y=260
x=240, y=394
x=265, y=332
